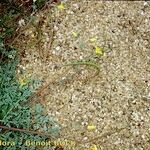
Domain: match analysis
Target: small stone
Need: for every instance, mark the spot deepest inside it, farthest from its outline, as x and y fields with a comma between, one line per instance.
x=145, y=3
x=58, y=48
x=85, y=138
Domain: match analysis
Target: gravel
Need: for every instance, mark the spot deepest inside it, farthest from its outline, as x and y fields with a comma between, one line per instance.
x=116, y=101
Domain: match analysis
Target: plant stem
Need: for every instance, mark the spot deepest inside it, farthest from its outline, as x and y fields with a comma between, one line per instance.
x=88, y=63
x=26, y=131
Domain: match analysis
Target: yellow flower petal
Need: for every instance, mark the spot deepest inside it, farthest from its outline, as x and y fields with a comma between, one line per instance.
x=75, y=34
x=91, y=127
x=61, y=6
x=98, y=50
x=23, y=81
x=93, y=39
x=94, y=147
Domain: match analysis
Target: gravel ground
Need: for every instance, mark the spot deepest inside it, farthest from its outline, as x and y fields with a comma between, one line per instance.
x=116, y=100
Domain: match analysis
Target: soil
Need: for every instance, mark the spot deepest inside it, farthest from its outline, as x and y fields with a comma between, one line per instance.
x=117, y=100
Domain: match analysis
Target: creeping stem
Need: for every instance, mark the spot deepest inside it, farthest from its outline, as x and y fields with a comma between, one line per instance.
x=87, y=63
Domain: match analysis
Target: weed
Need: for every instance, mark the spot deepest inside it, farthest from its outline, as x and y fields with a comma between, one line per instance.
x=16, y=111
x=87, y=63
x=19, y=120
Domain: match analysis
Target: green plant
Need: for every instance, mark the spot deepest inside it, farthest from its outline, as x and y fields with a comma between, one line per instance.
x=39, y=3
x=87, y=63
x=17, y=112
x=19, y=119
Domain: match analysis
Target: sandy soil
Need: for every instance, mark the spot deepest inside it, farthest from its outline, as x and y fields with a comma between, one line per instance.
x=117, y=100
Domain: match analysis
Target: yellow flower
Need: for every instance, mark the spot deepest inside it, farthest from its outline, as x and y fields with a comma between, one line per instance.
x=23, y=81
x=98, y=50
x=94, y=147
x=93, y=40
x=61, y=6
x=75, y=34
x=91, y=127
